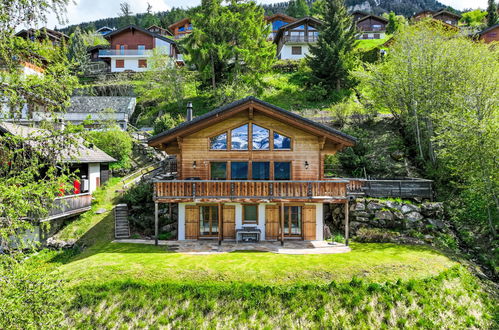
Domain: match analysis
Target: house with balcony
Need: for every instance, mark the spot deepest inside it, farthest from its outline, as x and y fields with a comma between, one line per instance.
x=443, y=15
x=131, y=47
x=293, y=39
x=250, y=171
x=181, y=28
x=43, y=34
x=371, y=27
x=489, y=35
x=277, y=21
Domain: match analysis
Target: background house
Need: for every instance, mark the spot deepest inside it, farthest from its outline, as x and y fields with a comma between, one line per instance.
x=55, y=37
x=277, y=21
x=490, y=34
x=293, y=39
x=181, y=28
x=132, y=46
x=441, y=15
x=371, y=27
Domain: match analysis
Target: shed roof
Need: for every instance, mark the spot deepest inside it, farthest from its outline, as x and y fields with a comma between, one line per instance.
x=77, y=154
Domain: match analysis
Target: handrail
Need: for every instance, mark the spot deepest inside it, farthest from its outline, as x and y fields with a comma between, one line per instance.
x=259, y=181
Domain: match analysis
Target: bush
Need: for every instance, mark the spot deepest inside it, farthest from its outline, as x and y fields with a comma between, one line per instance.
x=166, y=122
x=139, y=194
x=376, y=235
x=116, y=143
x=286, y=66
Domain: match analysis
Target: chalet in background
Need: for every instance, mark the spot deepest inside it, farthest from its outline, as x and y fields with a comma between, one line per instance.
x=293, y=39
x=132, y=46
x=250, y=170
x=490, y=34
x=277, y=21
x=372, y=27
x=159, y=30
x=44, y=34
x=104, y=30
x=181, y=28
x=441, y=15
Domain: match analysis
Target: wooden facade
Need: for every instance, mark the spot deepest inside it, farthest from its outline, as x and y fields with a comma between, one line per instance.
x=490, y=34
x=297, y=196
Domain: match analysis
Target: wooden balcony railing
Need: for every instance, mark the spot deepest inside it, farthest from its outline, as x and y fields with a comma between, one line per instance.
x=69, y=205
x=248, y=190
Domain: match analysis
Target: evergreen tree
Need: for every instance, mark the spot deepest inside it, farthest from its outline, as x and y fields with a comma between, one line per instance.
x=393, y=23
x=229, y=42
x=492, y=13
x=298, y=9
x=317, y=9
x=332, y=58
x=149, y=18
x=77, y=49
x=125, y=13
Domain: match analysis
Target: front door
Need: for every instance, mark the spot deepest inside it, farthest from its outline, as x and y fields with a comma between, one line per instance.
x=208, y=221
x=292, y=221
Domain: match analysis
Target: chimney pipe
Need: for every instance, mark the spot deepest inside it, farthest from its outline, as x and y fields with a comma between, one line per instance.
x=189, y=112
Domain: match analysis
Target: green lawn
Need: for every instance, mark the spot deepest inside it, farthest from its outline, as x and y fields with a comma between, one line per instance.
x=366, y=44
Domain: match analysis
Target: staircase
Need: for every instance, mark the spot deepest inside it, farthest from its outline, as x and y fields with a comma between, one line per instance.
x=121, y=225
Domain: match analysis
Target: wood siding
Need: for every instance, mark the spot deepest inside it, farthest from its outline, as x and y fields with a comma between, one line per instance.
x=490, y=36
x=229, y=221
x=131, y=39
x=272, y=222
x=191, y=221
x=309, y=223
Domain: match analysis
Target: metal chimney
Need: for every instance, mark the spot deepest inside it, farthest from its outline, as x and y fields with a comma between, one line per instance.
x=189, y=112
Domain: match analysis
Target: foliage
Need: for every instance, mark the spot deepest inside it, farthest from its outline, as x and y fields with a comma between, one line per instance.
x=77, y=49
x=286, y=66
x=393, y=24
x=229, y=42
x=492, y=16
x=298, y=9
x=474, y=18
x=332, y=58
x=376, y=235
x=318, y=8
x=125, y=14
x=149, y=18
x=116, y=143
x=166, y=122
x=139, y=194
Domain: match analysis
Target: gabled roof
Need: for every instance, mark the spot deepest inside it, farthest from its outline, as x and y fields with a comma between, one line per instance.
x=104, y=28
x=138, y=28
x=159, y=28
x=268, y=109
x=312, y=21
x=77, y=154
x=51, y=34
x=493, y=27
x=183, y=21
x=443, y=11
x=281, y=16
x=379, y=18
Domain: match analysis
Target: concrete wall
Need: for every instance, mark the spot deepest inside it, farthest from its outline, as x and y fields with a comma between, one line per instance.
x=287, y=55
x=93, y=175
x=131, y=63
x=261, y=219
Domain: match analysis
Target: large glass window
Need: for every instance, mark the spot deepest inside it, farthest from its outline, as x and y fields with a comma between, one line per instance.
x=239, y=171
x=219, y=142
x=239, y=138
x=261, y=170
x=282, y=171
x=208, y=222
x=260, y=138
x=250, y=214
x=281, y=141
x=218, y=170
x=292, y=220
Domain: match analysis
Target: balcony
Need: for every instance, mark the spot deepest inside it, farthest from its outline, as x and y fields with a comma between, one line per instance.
x=301, y=39
x=125, y=52
x=248, y=190
x=69, y=205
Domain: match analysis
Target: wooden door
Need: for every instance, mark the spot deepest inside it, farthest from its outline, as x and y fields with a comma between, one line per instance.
x=271, y=222
x=191, y=221
x=309, y=222
x=229, y=221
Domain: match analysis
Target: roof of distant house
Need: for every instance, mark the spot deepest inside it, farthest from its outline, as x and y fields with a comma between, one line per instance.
x=56, y=35
x=104, y=28
x=138, y=28
x=280, y=16
x=372, y=16
x=493, y=27
x=94, y=104
x=305, y=20
x=437, y=12
x=183, y=21
x=82, y=153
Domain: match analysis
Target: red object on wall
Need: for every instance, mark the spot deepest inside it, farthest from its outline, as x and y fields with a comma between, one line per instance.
x=76, y=185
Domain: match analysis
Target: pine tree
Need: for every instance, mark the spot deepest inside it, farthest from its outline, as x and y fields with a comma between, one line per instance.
x=125, y=13
x=492, y=13
x=332, y=58
x=298, y=9
x=317, y=9
x=393, y=23
x=77, y=49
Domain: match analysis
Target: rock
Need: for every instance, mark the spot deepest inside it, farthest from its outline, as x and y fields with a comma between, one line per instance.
x=428, y=237
x=432, y=209
x=359, y=207
x=374, y=206
x=436, y=223
x=393, y=205
x=397, y=155
x=397, y=215
x=413, y=216
x=174, y=233
x=100, y=211
x=406, y=208
x=60, y=244
x=166, y=228
x=361, y=214
x=327, y=232
x=384, y=215
x=362, y=219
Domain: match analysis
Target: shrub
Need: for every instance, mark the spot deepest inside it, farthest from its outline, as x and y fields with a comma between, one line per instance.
x=139, y=194
x=376, y=235
x=286, y=66
x=166, y=122
x=316, y=92
x=116, y=143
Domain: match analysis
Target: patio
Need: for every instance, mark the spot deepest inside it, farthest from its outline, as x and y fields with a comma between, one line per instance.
x=212, y=247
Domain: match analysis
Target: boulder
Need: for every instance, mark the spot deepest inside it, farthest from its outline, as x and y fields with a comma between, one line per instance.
x=384, y=215
x=397, y=215
x=100, y=211
x=438, y=224
x=60, y=244
x=393, y=205
x=359, y=207
x=407, y=208
x=361, y=214
x=374, y=206
x=413, y=216
x=432, y=209
x=362, y=219
x=327, y=232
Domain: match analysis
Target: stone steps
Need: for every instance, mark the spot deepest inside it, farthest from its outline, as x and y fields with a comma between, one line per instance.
x=121, y=224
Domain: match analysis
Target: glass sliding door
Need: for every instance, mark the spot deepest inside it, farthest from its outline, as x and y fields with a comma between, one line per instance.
x=208, y=222
x=292, y=221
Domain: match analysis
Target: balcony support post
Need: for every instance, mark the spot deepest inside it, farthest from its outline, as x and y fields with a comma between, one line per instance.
x=220, y=224
x=156, y=223
x=347, y=229
x=282, y=223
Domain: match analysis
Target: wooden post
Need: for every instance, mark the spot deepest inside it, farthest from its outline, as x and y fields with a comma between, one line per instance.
x=282, y=224
x=220, y=224
x=156, y=223
x=347, y=229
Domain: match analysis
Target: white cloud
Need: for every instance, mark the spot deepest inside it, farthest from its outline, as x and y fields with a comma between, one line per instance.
x=465, y=4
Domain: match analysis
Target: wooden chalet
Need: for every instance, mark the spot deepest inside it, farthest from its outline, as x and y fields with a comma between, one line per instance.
x=181, y=28
x=250, y=170
x=441, y=15
x=490, y=34
x=277, y=21
x=371, y=27
x=44, y=34
x=293, y=39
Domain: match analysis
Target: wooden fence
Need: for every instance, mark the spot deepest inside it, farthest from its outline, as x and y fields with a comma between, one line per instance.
x=69, y=205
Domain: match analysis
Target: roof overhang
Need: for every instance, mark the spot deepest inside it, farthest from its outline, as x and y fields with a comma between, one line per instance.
x=253, y=104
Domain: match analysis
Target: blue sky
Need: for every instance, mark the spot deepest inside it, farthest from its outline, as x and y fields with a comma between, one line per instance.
x=89, y=10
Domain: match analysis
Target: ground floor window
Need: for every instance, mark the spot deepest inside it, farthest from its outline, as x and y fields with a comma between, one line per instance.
x=208, y=222
x=250, y=214
x=296, y=50
x=120, y=63
x=292, y=220
x=142, y=63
